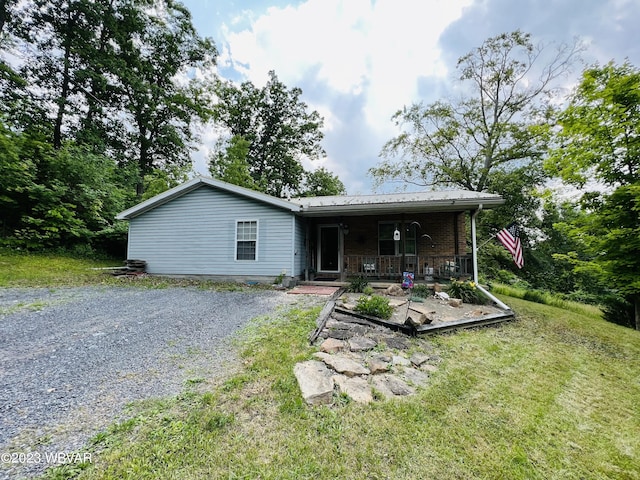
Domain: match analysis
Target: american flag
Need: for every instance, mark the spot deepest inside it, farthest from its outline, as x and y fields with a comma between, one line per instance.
x=510, y=238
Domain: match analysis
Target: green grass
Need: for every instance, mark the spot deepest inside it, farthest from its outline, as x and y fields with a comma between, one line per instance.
x=552, y=395
x=53, y=270
x=546, y=298
x=20, y=269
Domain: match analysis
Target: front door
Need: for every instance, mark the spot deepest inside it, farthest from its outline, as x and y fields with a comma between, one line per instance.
x=329, y=248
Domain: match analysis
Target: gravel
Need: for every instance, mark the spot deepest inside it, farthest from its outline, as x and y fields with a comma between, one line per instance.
x=71, y=359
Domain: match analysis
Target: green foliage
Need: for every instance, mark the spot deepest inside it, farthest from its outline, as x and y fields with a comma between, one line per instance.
x=358, y=284
x=467, y=291
x=422, y=290
x=229, y=163
x=501, y=126
x=374, y=305
x=279, y=129
x=600, y=139
x=321, y=182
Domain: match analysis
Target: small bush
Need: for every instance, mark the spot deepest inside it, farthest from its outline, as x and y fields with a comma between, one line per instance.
x=467, y=291
x=421, y=291
x=374, y=305
x=358, y=284
x=368, y=290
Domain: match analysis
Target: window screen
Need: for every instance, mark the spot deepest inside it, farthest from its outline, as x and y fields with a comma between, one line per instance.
x=247, y=239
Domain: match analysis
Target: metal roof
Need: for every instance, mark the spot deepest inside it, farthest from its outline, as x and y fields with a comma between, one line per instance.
x=445, y=200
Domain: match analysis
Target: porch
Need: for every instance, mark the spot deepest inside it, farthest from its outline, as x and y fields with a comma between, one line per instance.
x=391, y=267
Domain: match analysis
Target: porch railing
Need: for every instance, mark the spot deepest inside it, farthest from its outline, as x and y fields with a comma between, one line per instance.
x=424, y=266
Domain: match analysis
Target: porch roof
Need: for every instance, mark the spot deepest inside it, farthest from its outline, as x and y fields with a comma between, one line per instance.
x=432, y=201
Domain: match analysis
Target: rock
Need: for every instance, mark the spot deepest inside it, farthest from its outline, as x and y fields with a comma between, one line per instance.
x=316, y=384
x=394, y=291
x=455, y=302
x=397, y=302
x=398, y=386
x=332, y=345
x=378, y=365
x=342, y=364
x=333, y=324
x=416, y=318
x=429, y=368
x=397, y=342
x=437, y=288
x=442, y=295
x=349, y=306
x=477, y=313
x=379, y=382
x=340, y=334
x=415, y=377
x=356, y=388
x=360, y=344
x=419, y=358
x=430, y=314
x=400, y=360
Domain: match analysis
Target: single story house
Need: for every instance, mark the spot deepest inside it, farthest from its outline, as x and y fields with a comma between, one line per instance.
x=211, y=228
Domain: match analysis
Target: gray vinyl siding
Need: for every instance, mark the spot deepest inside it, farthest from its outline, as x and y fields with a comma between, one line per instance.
x=196, y=234
x=300, y=247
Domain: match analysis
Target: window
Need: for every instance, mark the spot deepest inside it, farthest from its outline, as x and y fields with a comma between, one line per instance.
x=246, y=240
x=386, y=244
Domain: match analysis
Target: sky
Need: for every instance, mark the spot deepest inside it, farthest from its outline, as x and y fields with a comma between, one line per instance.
x=359, y=61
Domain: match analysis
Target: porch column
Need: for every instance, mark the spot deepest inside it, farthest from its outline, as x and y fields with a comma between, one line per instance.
x=474, y=243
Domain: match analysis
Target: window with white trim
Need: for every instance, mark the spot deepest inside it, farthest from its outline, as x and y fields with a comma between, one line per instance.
x=246, y=239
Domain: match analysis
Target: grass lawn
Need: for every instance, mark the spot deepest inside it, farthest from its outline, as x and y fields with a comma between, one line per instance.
x=552, y=395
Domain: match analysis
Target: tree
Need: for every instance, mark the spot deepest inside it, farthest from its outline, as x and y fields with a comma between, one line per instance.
x=159, y=49
x=321, y=182
x=229, y=164
x=600, y=140
x=279, y=129
x=501, y=125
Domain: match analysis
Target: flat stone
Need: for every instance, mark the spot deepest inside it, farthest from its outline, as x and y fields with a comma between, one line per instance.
x=316, y=384
x=377, y=365
x=419, y=358
x=400, y=360
x=415, y=377
x=335, y=325
x=360, y=344
x=455, y=302
x=340, y=334
x=397, y=302
x=342, y=364
x=415, y=318
x=430, y=315
x=429, y=368
x=391, y=386
x=356, y=388
x=399, y=386
x=397, y=342
x=332, y=345
x=394, y=290
x=379, y=382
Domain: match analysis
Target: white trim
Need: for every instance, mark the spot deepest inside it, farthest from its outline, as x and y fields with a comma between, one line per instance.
x=235, y=248
x=198, y=182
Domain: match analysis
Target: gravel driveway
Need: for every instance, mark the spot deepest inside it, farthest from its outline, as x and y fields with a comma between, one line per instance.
x=72, y=358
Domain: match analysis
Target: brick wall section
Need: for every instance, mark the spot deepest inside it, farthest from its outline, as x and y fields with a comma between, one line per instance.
x=363, y=232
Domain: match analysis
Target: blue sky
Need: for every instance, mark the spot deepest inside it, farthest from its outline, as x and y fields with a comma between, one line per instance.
x=358, y=61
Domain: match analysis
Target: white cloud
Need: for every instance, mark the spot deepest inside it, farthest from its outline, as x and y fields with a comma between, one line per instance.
x=353, y=46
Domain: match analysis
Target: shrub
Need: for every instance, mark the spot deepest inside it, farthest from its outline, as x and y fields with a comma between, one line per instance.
x=358, y=284
x=368, y=290
x=467, y=291
x=374, y=305
x=421, y=290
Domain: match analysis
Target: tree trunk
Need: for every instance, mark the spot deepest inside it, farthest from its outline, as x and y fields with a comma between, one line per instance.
x=636, y=304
